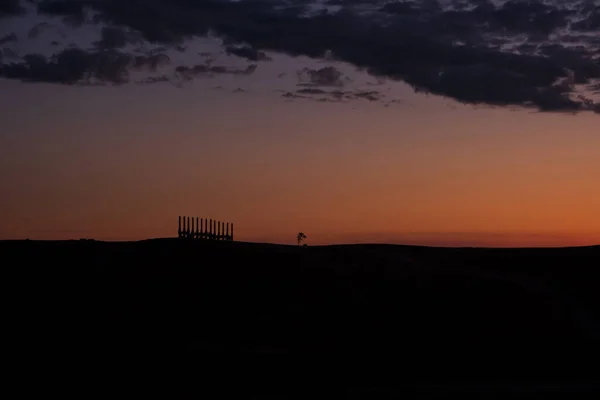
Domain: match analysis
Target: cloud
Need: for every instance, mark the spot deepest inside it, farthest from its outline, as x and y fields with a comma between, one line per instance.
x=72, y=11
x=151, y=61
x=71, y=66
x=326, y=76
x=8, y=38
x=188, y=73
x=8, y=53
x=153, y=79
x=248, y=53
x=532, y=53
x=9, y=8
x=38, y=29
x=336, y=95
x=112, y=38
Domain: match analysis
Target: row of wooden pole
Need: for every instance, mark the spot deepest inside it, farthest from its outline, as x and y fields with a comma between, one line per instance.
x=204, y=228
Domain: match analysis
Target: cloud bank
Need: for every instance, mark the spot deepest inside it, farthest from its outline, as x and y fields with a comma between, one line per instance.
x=540, y=54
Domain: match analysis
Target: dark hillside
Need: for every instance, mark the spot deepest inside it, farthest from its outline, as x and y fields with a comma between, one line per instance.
x=362, y=316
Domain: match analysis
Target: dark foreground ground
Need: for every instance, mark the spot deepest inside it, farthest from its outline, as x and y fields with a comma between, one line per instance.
x=356, y=321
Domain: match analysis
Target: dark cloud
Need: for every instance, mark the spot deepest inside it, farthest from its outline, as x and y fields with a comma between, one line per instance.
x=319, y=94
x=112, y=38
x=292, y=95
x=151, y=61
x=188, y=73
x=8, y=38
x=370, y=95
x=41, y=28
x=37, y=30
x=311, y=91
x=9, y=53
x=116, y=37
x=461, y=53
x=10, y=8
x=350, y=2
x=326, y=76
x=72, y=11
x=248, y=53
x=159, y=21
x=532, y=17
x=72, y=66
x=153, y=79
x=63, y=7
x=402, y=8
x=592, y=22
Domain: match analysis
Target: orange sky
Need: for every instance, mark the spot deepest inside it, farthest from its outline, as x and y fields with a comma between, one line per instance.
x=121, y=164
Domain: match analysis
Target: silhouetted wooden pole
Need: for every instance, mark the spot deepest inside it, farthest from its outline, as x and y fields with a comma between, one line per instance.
x=211, y=229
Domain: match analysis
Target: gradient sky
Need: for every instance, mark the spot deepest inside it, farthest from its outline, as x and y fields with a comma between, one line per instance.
x=293, y=143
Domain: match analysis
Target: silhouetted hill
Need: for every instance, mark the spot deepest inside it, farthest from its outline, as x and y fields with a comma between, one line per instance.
x=372, y=318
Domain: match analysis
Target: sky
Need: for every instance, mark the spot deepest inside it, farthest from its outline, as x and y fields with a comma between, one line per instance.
x=447, y=123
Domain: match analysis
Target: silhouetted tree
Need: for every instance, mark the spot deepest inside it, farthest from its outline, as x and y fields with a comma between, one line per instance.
x=301, y=236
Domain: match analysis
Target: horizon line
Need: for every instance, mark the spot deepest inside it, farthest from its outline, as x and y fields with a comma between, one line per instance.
x=175, y=238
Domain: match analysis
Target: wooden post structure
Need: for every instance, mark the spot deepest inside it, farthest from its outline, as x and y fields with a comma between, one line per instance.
x=204, y=228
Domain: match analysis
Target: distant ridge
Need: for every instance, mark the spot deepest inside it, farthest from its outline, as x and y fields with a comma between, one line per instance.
x=168, y=239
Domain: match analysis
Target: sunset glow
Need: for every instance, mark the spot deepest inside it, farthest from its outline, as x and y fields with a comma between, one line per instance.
x=122, y=162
